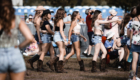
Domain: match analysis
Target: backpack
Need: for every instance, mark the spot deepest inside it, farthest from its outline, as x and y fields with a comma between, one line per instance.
x=109, y=25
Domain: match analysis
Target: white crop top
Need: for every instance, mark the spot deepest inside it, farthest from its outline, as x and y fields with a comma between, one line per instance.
x=77, y=28
x=98, y=26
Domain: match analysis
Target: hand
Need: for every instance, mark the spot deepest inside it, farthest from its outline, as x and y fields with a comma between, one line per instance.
x=68, y=42
x=65, y=42
x=40, y=41
x=84, y=39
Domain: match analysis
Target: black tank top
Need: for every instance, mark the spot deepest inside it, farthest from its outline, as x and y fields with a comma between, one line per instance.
x=58, y=29
x=46, y=23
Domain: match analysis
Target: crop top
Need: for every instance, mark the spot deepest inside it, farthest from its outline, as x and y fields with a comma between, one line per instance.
x=98, y=26
x=58, y=29
x=77, y=28
x=46, y=23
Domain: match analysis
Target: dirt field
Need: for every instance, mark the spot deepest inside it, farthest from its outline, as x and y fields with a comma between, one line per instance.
x=72, y=67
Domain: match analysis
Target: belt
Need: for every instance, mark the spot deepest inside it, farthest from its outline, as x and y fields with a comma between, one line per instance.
x=75, y=34
x=97, y=35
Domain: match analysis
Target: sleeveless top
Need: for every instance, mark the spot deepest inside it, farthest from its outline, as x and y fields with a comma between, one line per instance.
x=77, y=28
x=58, y=28
x=98, y=26
x=10, y=41
x=46, y=23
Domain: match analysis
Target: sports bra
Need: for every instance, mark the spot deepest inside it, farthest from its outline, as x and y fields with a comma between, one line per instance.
x=58, y=28
x=77, y=28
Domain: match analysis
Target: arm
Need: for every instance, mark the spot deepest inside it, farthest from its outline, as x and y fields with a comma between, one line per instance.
x=26, y=33
x=49, y=30
x=104, y=22
x=61, y=29
x=68, y=22
x=131, y=35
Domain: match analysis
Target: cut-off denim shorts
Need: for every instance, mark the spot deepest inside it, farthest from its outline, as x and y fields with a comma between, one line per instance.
x=57, y=37
x=11, y=60
x=124, y=40
x=46, y=38
x=135, y=48
x=75, y=38
x=97, y=39
x=36, y=37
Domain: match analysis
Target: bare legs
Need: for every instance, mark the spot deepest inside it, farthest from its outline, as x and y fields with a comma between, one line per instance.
x=121, y=54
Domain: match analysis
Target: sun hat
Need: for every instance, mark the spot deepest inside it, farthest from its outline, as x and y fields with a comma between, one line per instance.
x=110, y=34
x=47, y=12
x=113, y=12
x=30, y=16
x=40, y=8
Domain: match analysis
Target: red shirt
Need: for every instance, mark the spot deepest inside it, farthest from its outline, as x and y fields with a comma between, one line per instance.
x=88, y=22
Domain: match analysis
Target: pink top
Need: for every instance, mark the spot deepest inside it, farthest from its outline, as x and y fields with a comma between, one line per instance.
x=114, y=28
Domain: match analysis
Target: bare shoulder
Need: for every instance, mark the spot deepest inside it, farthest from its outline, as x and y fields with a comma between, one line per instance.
x=73, y=23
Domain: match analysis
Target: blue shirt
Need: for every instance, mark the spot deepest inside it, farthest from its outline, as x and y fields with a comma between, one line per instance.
x=109, y=44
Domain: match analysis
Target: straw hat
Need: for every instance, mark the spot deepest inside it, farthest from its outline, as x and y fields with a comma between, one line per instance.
x=110, y=34
x=113, y=12
x=40, y=8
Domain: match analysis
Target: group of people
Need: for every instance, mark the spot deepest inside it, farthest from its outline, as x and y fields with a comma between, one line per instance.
x=104, y=35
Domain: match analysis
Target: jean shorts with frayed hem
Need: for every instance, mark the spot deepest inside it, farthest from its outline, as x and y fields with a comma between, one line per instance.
x=75, y=38
x=11, y=60
x=57, y=37
x=46, y=38
x=97, y=39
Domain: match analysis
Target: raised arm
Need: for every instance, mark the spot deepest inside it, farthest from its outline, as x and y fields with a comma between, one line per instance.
x=26, y=33
x=104, y=22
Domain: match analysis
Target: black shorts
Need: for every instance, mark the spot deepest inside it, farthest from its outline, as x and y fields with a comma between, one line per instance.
x=90, y=34
x=113, y=54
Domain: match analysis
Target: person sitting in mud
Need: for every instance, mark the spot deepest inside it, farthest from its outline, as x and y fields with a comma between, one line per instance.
x=113, y=50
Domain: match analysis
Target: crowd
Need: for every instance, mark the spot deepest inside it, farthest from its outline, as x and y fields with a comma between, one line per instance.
x=114, y=37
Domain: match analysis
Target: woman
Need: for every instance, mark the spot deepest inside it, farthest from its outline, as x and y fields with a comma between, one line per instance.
x=96, y=24
x=125, y=38
x=11, y=59
x=59, y=38
x=45, y=38
x=37, y=21
x=135, y=40
x=74, y=36
x=80, y=21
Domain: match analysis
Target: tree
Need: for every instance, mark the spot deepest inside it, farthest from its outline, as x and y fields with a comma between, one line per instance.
x=89, y=3
x=124, y=4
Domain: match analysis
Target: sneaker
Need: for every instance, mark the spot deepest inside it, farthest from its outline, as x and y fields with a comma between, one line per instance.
x=25, y=54
x=85, y=54
x=89, y=55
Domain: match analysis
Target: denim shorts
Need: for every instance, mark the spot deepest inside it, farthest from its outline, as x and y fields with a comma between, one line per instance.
x=36, y=37
x=75, y=38
x=135, y=48
x=11, y=60
x=57, y=37
x=96, y=39
x=124, y=40
x=90, y=35
x=46, y=38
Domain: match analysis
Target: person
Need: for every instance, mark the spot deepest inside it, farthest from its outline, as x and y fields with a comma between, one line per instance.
x=74, y=37
x=135, y=41
x=66, y=19
x=11, y=59
x=125, y=38
x=114, y=51
x=31, y=50
x=60, y=39
x=30, y=19
x=45, y=38
x=80, y=21
x=89, y=17
x=96, y=24
x=37, y=20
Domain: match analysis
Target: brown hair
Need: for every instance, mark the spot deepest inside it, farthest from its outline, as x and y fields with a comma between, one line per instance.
x=7, y=15
x=132, y=12
x=59, y=15
x=96, y=13
x=74, y=14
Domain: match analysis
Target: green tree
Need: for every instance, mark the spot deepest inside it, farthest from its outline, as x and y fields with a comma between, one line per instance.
x=124, y=4
x=89, y=3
